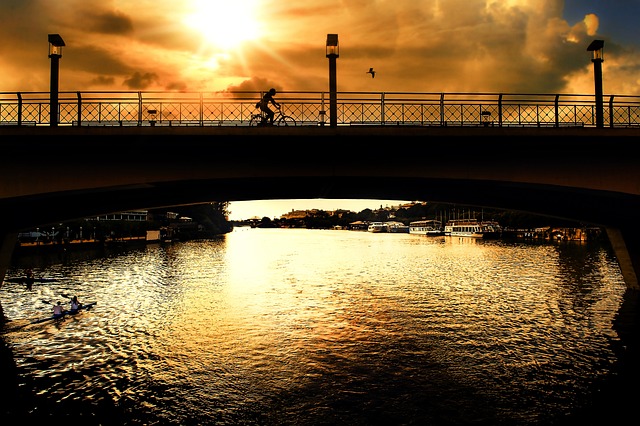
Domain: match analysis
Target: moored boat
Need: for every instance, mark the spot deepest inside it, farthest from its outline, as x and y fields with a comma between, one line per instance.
x=472, y=228
x=377, y=227
x=397, y=227
x=429, y=227
x=391, y=226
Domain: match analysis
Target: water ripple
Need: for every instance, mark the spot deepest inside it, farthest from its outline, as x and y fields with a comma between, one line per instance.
x=321, y=327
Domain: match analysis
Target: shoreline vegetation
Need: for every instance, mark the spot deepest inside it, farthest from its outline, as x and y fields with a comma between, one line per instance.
x=67, y=241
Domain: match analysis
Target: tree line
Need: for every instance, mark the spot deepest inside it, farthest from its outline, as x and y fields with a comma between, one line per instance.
x=320, y=219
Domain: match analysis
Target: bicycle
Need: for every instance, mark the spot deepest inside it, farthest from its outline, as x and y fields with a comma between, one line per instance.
x=261, y=119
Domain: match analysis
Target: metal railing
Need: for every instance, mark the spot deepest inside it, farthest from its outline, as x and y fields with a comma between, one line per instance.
x=234, y=108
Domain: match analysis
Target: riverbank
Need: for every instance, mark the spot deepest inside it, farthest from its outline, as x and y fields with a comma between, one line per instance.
x=42, y=254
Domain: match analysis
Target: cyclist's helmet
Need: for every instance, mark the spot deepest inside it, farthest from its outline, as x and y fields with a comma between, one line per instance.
x=272, y=91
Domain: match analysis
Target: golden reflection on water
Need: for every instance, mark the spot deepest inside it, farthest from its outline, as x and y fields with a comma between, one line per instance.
x=318, y=316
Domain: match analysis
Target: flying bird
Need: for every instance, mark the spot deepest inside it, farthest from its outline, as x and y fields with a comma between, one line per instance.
x=372, y=72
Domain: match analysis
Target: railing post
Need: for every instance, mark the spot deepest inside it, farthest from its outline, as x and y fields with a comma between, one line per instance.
x=611, y=115
x=139, y=108
x=382, y=118
x=519, y=114
x=79, y=119
x=442, y=122
x=557, y=112
x=500, y=110
x=323, y=112
x=19, y=108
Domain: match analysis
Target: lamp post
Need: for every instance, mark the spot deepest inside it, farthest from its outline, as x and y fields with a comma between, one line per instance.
x=55, y=53
x=596, y=47
x=333, y=51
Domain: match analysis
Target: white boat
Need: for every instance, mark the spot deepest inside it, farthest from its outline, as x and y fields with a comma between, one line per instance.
x=397, y=227
x=472, y=228
x=431, y=227
x=377, y=227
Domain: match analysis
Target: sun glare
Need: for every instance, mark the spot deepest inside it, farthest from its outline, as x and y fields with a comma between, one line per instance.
x=225, y=24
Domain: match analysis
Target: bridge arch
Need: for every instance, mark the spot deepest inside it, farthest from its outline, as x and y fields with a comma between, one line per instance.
x=589, y=175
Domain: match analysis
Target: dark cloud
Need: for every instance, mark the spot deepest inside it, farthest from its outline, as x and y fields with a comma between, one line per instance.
x=103, y=81
x=109, y=23
x=92, y=59
x=140, y=81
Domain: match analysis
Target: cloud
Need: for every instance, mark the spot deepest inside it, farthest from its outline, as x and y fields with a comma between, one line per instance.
x=106, y=22
x=139, y=81
x=417, y=46
x=591, y=22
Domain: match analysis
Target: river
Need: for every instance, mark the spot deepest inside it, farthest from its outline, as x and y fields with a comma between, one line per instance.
x=315, y=327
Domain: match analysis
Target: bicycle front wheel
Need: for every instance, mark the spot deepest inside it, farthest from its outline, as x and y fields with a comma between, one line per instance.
x=285, y=120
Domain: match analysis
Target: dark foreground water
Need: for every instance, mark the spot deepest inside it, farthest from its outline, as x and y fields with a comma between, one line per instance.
x=304, y=327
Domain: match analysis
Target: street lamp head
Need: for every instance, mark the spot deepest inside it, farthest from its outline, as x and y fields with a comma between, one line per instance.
x=55, y=45
x=333, y=50
x=597, y=47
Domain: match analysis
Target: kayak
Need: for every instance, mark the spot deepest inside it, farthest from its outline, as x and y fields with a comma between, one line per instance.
x=64, y=313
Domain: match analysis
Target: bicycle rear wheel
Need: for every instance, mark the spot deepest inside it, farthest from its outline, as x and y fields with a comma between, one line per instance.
x=286, y=120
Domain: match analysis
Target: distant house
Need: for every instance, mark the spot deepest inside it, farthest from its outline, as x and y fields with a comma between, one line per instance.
x=296, y=214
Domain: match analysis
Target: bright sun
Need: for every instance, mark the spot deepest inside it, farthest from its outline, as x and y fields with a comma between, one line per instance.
x=225, y=24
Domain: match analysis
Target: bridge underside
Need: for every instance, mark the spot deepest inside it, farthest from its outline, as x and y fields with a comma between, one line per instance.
x=51, y=175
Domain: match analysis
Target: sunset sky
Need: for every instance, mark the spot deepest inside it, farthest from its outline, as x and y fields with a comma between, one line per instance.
x=525, y=46
x=536, y=46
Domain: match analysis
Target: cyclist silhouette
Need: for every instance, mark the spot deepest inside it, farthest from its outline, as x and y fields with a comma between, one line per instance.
x=264, y=105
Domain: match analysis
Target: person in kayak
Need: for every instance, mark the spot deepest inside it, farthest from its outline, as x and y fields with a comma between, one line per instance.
x=75, y=304
x=58, y=310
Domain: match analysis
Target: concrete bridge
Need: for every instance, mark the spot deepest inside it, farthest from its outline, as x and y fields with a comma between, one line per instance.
x=52, y=174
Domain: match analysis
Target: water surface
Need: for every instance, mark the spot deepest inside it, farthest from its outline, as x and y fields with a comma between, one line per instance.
x=292, y=326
